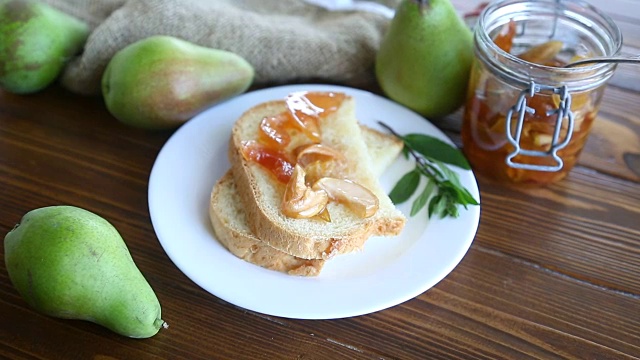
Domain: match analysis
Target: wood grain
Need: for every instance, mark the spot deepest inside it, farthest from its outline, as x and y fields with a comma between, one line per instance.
x=585, y=228
x=553, y=273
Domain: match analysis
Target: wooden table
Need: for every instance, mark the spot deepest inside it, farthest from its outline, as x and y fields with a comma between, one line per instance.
x=552, y=273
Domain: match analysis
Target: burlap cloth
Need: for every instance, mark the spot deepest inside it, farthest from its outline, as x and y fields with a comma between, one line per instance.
x=285, y=40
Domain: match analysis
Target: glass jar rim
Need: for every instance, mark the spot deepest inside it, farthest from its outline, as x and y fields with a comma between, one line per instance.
x=603, y=20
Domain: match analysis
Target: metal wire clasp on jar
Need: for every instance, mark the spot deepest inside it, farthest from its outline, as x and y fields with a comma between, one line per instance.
x=527, y=117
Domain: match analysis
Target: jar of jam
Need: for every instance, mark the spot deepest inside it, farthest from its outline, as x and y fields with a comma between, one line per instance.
x=527, y=115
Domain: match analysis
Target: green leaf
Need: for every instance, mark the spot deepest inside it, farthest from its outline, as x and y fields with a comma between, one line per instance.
x=421, y=201
x=431, y=158
x=405, y=152
x=463, y=195
x=469, y=199
x=405, y=187
x=432, y=171
x=448, y=173
x=464, y=198
x=435, y=205
x=436, y=149
x=458, y=194
x=452, y=210
x=441, y=207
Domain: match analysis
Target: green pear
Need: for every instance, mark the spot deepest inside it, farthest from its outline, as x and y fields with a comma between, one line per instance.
x=425, y=57
x=36, y=41
x=161, y=82
x=70, y=263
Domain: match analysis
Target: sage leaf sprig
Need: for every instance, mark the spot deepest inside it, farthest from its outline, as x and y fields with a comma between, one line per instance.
x=443, y=191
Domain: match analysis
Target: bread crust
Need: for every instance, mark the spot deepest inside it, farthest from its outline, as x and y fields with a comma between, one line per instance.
x=244, y=244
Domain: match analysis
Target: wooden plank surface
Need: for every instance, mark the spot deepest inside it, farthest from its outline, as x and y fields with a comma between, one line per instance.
x=553, y=273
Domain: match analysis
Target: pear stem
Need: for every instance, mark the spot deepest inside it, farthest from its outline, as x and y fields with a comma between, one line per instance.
x=423, y=5
x=160, y=323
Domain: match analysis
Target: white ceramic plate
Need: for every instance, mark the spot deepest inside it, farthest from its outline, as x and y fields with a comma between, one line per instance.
x=387, y=272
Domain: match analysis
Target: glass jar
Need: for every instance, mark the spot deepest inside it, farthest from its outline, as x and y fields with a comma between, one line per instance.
x=526, y=117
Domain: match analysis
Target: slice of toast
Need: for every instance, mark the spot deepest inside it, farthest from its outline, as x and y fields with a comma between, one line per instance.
x=230, y=225
x=261, y=195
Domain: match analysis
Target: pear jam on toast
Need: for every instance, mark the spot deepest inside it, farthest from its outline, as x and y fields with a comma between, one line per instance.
x=304, y=174
x=314, y=173
x=231, y=225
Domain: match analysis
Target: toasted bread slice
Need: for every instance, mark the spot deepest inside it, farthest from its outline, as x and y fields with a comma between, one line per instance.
x=230, y=225
x=262, y=195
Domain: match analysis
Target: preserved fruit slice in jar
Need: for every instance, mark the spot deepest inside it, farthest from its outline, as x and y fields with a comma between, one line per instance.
x=484, y=137
x=484, y=129
x=527, y=94
x=504, y=38
x=486, y=113
x=581, y=104
x=544, y=54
